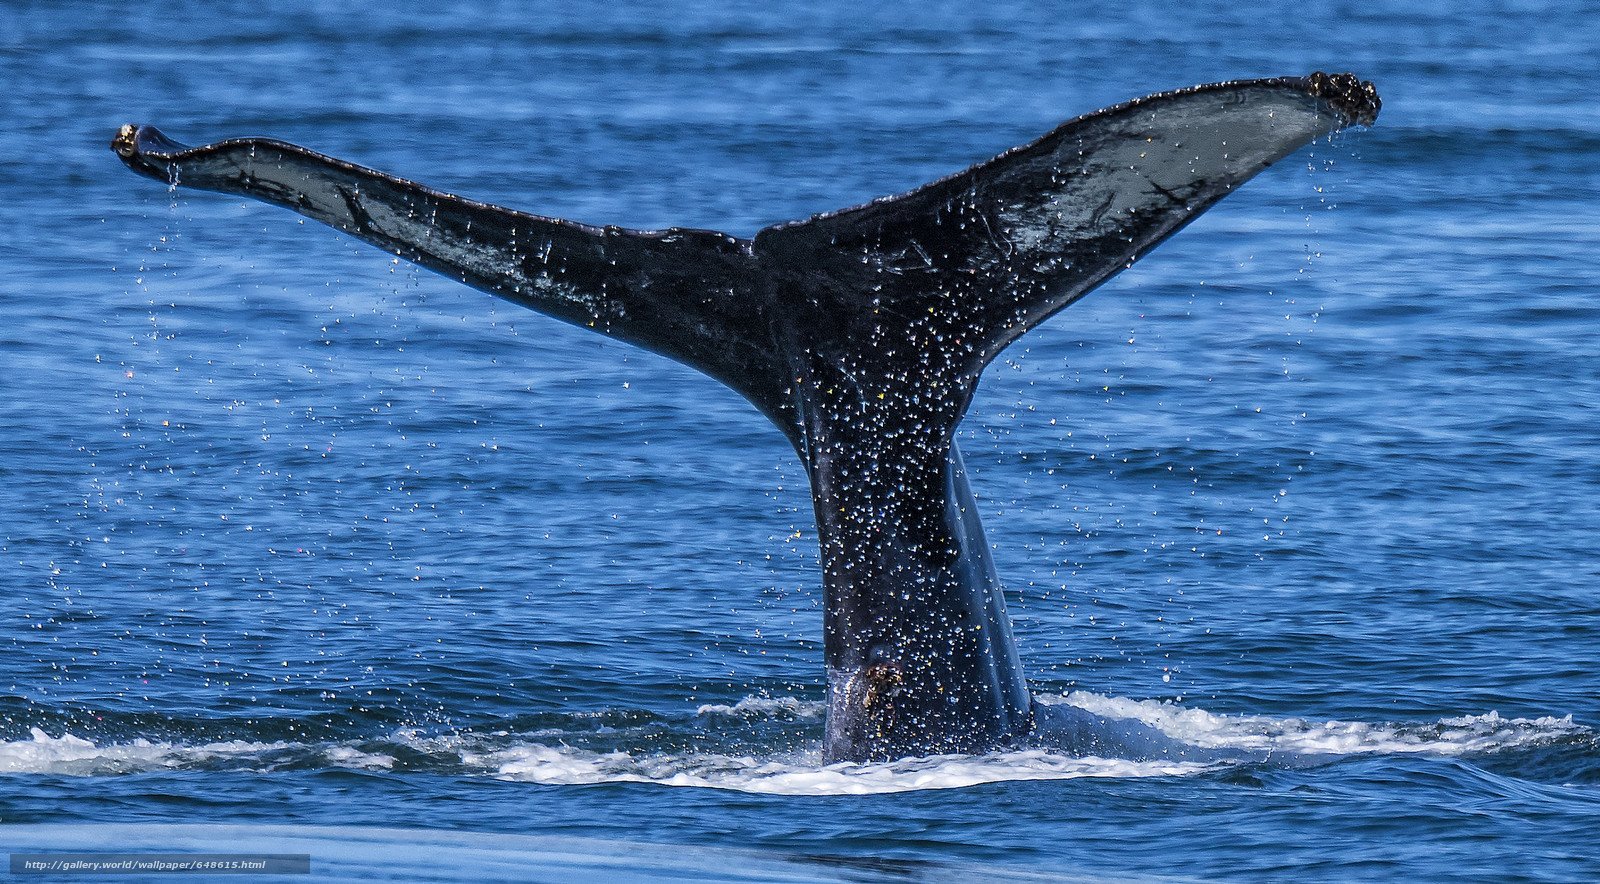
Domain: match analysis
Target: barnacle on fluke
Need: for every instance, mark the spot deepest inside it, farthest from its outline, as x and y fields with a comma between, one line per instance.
x=1355, y=98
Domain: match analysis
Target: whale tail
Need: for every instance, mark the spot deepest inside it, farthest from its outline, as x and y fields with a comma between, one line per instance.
x=861, y=333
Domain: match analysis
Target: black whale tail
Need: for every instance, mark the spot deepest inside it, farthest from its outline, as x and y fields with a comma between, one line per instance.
x=861, y=333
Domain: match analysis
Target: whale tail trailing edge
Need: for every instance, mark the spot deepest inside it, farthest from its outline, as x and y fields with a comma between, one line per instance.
x=861, y=333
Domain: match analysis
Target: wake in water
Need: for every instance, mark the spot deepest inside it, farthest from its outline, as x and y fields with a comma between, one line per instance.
x=1083, y=735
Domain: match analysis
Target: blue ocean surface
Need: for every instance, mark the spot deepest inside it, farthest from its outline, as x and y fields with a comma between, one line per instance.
x=306, y=550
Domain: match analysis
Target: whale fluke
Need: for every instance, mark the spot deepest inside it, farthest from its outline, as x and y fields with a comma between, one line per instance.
x=684, y=293
x=860, y=333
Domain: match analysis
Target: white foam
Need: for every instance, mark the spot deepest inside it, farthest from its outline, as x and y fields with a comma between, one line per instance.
x=75, y=756
x=805, y=774
x=345, y=756
x=766, y=707
x=1197, y=727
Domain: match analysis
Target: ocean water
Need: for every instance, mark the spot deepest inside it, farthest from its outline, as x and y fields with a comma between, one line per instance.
x=306, y=550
